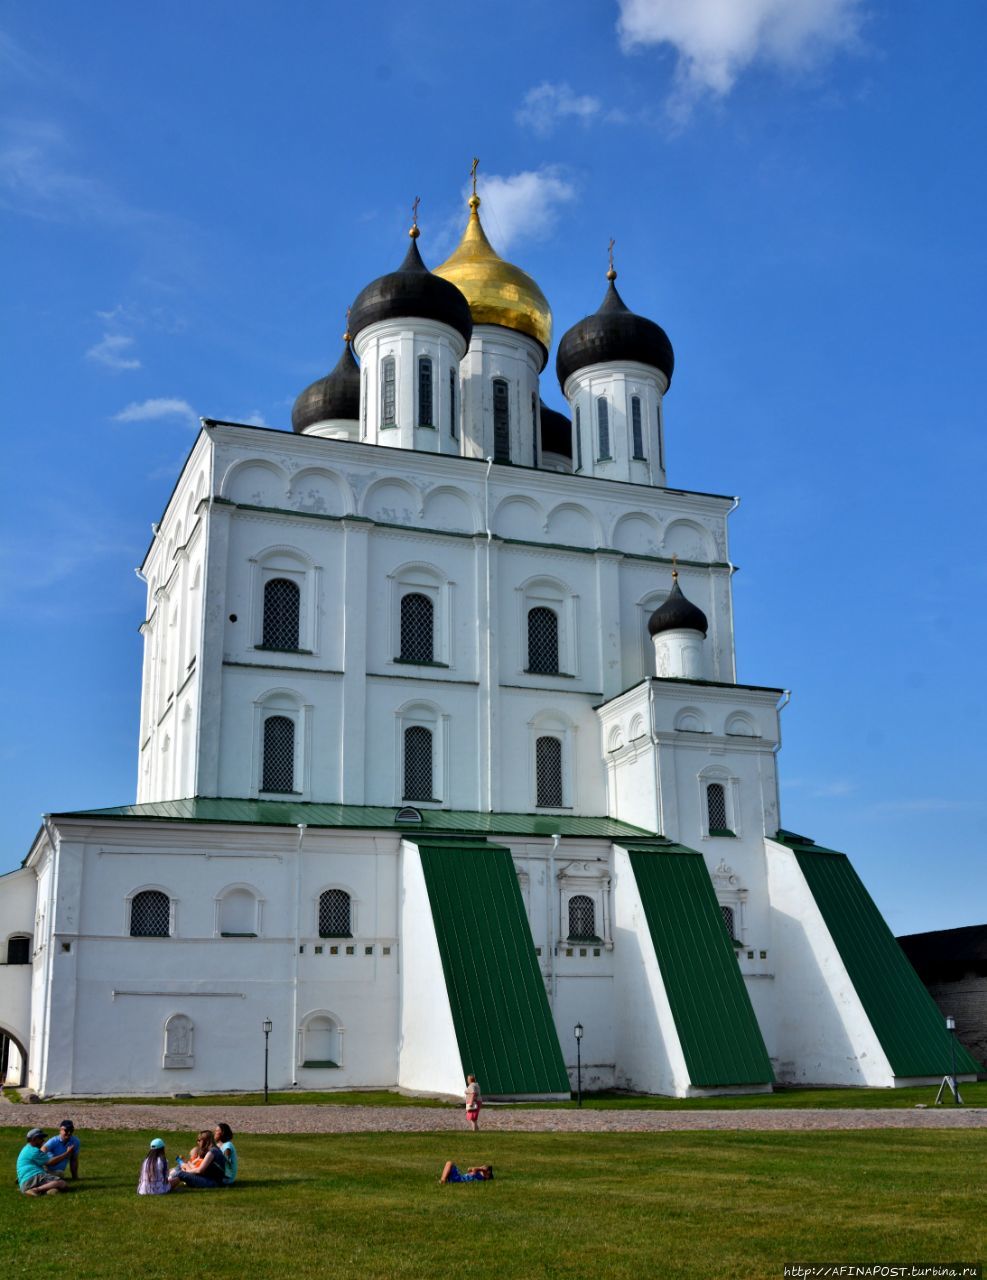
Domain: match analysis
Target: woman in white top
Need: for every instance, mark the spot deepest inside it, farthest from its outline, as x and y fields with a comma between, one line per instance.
x=473, y=1102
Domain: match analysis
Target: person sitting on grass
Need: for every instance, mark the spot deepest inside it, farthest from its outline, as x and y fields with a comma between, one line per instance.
x=223, y=1135
x=66, y=1146
x=476, y=1173
x=154, y=1171
x=34, y=1175
x=207, y=1165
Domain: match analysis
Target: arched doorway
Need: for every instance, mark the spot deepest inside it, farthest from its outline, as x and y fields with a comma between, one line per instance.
x=13, y=1060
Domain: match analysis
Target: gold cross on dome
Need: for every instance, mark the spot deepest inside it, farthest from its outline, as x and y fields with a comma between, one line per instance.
x=675, y=567
x=414, y=209
x=473, y=168
x=610, y=250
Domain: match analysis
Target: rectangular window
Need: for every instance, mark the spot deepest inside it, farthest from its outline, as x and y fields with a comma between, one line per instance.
x=637, y=431
x=424, y=392
x=387, y=392
x=452, y=403
x=502, y=421
x=603, y=427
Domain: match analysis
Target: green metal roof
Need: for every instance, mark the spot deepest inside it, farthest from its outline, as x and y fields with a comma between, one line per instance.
x=504, y=1026
x=904, y=1016
x=289, y=813
x=717, y=1028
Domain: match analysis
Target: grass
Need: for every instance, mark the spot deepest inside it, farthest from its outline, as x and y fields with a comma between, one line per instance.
x=973, y=1095
x=605, y=1206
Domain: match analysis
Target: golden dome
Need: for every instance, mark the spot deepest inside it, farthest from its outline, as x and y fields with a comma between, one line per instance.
x=498, y=292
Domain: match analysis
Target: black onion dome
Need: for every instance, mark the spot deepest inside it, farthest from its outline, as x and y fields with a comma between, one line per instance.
x=337, y=395
x=677, y=614
x=412, y=290
x=614, y=334
x=556, y=432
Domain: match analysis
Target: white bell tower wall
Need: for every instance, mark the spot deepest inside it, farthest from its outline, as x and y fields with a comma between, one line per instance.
x=617, y=422
x=501, y=356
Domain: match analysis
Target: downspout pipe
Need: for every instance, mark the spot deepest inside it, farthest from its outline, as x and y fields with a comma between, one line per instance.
x=786, y=698
x=550, y=916
x=489, y=655
x=302, y=828
x=49, y=942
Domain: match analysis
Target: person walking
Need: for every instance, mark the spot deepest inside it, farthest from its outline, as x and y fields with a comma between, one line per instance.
x=473, y=1102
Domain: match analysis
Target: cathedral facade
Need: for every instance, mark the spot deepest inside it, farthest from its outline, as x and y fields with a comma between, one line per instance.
x=443, y=756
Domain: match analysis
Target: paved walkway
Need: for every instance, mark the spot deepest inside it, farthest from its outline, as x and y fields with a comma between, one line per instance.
x=355, y=1119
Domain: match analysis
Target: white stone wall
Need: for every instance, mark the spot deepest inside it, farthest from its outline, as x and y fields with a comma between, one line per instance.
x=617, y=386
x=18, y=891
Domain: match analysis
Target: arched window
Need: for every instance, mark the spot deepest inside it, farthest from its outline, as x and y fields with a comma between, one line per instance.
x=417, y=628
x=603, y=427
x=279, y=754
x=637, y=429
x=582, y=917
x=19, y=949
x=417, y=763
x=320, y=1042
x=716, y=809
x=727, y=914
x=452, y=403
x=534, y=430
x=150, y=914
x=543, y=641
x=661, y=443
x=501, y=420
x=282, y=607
x=548, y=773
x=363, y=405
x=579, y=439
x=238, y=914
x=335, y=916
x=425, y=392
x=387, y=392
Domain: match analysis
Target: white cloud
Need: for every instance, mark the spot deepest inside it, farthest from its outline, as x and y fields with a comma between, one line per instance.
x=149, y=410
x=256, y=419
x=548, y=105
x=716, y=40
x=523, y=206
x=113, y=351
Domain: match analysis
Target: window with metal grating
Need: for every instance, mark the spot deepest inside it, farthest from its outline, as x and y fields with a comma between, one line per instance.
x=548, y=773
x=637, y=429
x=417, y=628
x=334, y=914
x=417, y=763
x=582, y=917
x=282, y=609
x=727, y=914
x=150, y=914
x=425, y=392
x=543, y=641
x=716, y=808
x=603, y=427
x=279, y=754
x=502, y=420
x=387, y=392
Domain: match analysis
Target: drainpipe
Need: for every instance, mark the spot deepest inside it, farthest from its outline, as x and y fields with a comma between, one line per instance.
x=660, y=807
x=489, y=589
x=786, y=699
x=550, y=900
x=49, y=956
x=298, y=925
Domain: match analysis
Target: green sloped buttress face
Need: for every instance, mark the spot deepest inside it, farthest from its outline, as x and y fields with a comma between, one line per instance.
x=504, y=1027
x=905, y=1018
x=720, y=1037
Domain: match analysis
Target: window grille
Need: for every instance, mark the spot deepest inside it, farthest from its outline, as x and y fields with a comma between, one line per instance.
x=579, y=440
x=387, y=392
x=548, y=773
x=502, y=421
x=452, y=403
x=582, y=917
x=424, y=392
x=716, y=807
x=282, y=608
x=534, y=430
x=727, y=914
x=19, y=950
x=603, y=427
x=417, y=628
x=279, y=754
x=334, y=914
x=150, y=915
x=637, y=431
x=417, y=763
x=543, y=641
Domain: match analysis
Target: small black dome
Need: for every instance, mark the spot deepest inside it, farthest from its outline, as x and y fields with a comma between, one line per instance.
x=613, y=334
x=412, y=290
x=556, y=432
x=677, y=613
x=337, y=395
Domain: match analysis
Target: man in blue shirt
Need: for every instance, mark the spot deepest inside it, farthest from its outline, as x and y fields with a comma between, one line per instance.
x=34, y=1175
x=66, y=1147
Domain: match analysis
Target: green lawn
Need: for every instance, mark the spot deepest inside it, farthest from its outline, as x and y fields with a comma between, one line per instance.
x=569, y=1206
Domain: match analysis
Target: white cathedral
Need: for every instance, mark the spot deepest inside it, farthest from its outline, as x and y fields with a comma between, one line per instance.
x=443, y=757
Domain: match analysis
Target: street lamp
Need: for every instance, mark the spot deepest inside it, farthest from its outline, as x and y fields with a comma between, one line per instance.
x=577, y=1031
x=268, y=1026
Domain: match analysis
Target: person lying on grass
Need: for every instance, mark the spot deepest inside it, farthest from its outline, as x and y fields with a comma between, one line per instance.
x=34, y=1167
x=476, y=1173
x=207, y=1165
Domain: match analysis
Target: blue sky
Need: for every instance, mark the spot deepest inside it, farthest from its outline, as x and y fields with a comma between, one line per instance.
x=192, y=194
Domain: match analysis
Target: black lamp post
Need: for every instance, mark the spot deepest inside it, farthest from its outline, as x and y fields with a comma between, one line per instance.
x=577, y=1031
x=268, y=1026
x=951, y=1028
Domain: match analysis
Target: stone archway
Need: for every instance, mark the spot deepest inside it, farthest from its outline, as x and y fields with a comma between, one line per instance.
x=13, y=1060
